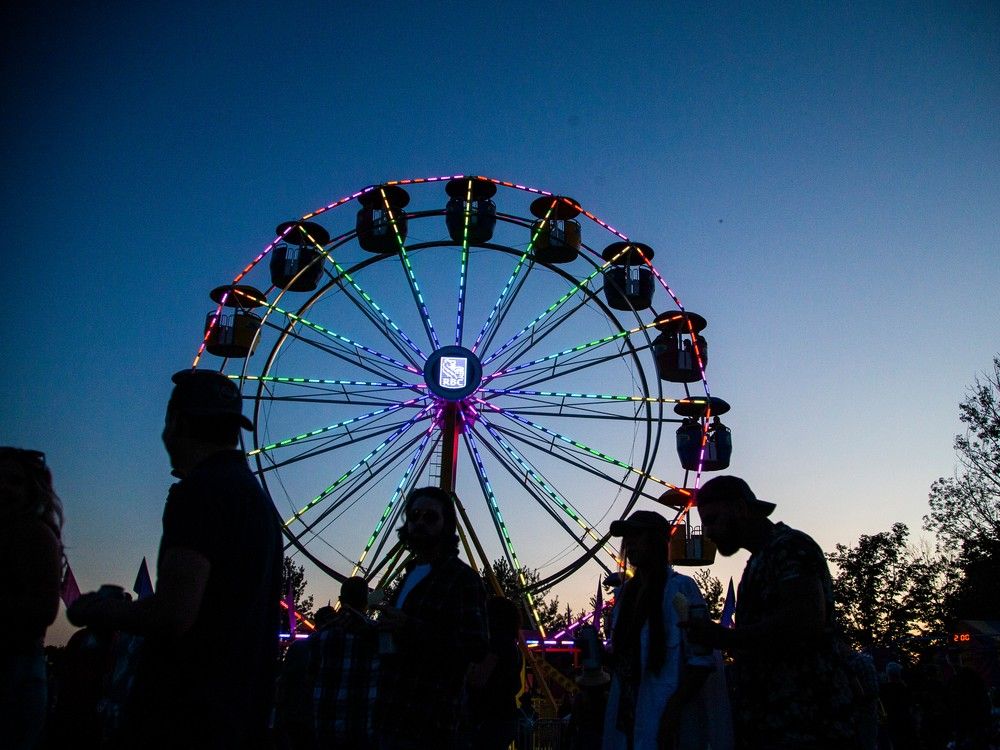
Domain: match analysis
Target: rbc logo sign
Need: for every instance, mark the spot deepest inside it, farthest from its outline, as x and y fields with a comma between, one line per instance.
x=453, y=372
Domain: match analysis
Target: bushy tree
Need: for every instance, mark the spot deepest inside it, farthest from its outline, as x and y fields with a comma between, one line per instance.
x=547, y=610
x=965, y=508
x=296, y=574
x=711, y=589
x=887, y=590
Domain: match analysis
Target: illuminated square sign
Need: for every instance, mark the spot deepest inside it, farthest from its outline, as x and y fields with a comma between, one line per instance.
x=454, y=372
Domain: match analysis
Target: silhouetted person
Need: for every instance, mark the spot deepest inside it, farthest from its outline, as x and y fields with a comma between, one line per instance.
x=493, y=683
x=899, y=707
x=792, y=690
x=344, y=659
x=205, y=675
x=656, y=673
x=970, y=710
x=438, y=628
x=31, y=558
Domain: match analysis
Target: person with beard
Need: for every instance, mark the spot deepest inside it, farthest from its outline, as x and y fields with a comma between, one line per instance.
x=791, y=685
x=435, y=628
x=205, y=674
x=656, y=673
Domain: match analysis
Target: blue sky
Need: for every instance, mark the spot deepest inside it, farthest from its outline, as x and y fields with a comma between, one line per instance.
x=821, y=184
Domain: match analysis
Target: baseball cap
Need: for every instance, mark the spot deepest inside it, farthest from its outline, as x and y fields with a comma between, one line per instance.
x=640, y=521
x=205, y=393
x=728, y=489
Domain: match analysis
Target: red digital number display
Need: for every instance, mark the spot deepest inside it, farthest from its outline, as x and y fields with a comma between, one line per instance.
x=961, y=638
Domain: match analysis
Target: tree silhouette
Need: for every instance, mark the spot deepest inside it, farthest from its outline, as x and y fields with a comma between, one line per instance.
x=887, y=591
x=965, y=508
x=296, y=574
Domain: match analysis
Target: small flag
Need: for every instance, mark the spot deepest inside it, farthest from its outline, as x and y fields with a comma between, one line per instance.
x=729, y=607
x=598, y=607
x=290, y=601
x=69, y=591
x=143, y=586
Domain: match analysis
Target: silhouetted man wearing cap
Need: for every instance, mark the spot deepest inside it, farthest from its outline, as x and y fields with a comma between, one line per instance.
x=791, y=688
x=206, y=670
x=438, y=627
x=656, y=673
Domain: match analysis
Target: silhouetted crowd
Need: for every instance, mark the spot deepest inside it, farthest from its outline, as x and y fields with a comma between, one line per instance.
x=438, y=664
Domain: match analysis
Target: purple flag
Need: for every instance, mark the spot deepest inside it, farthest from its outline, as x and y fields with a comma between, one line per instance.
x=143, y=586
x=729, y=607
x=599, y=606
x=290, y=603
x=69, y=591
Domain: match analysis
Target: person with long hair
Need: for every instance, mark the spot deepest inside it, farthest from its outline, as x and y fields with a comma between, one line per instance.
x=31, y=557
x=657, y=675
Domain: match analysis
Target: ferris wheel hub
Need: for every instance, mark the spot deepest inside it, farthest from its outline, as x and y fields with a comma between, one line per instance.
x=453, y=373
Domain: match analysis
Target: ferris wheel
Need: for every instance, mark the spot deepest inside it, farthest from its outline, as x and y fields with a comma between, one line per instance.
x=494, y=339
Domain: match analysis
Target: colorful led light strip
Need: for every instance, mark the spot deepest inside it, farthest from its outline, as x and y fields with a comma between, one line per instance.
x=513, y=276
x=463, y=271
x=558, y=499
x=551, y=308
x=568, y=630
x=323, y=381
x=487, y=487
x=397, y=493
x=364, y=461
x=365, y=296
x=414, y=287
x=571, y=350
x=330, y=334
x=575, y=443
x=598, y=396
x=322, y=430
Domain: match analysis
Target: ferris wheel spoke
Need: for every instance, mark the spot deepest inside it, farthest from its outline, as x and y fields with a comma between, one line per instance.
x=525, y=344
x=367, y=431
x=571, y=351
x=520, y=475
x=341, y=426
x=538, y=478
x=496, y=514
x=345, y=343
x=505, y=310
x=531, y=327
x=394, y=520
x=463, y=274
x=355, y=490
x=370, y=307
x=393, y=501
x=555, y=369
x=368, y=461
x=580, y=446
x=411, y=277
x=491, y=318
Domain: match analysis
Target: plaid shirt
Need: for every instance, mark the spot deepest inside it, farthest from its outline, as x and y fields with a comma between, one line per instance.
x=345, y=662
x=421, y=684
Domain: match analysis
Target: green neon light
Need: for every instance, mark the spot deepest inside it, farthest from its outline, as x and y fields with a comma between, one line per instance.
x=577, y=444
x=347, y=474
x=321, y=430
x=551, y=492
x=554, y=306
x=574, y=350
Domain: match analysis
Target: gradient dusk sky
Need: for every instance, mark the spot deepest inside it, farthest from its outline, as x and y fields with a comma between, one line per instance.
x=820, y=181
